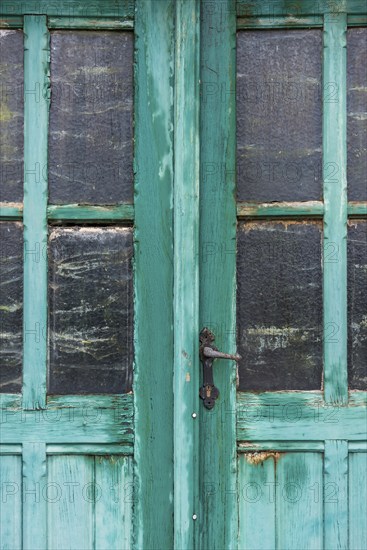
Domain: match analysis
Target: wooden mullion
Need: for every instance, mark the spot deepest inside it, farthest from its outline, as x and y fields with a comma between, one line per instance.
x=12, y=22
x=36, y=115
x=91, y=214
x=12, y=212
x=336, y=214
x=285, y=22
x=336, y=494
x=90, y=23
x=310, y=209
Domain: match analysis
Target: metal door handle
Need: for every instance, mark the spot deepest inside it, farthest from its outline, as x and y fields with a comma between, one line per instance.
x=208, y=352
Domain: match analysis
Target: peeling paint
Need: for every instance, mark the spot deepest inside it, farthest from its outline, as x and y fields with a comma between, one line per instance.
x=259, y=457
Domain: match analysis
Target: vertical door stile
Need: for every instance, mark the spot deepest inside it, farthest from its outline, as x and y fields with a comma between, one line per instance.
x=153, y=253
x=36, y=112
x=218, y=516
x=335, y=216
x=186, y=272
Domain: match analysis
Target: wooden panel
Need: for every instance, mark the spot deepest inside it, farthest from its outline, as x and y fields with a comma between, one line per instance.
x=335, y=217
x=70, y=502
x=256, y=489
x=299, y=501
x=357, y=501
x=90, y=139
x=279, y=305
x=11, y=306
x=11, y=116
x=11, y=502
x=186, y=271
x=357, y=113
x=279, y=118
x=336, y=494
x=153, y=376
x=357, y=305
x=291, y=8
x=34, y=497
x=36, y=84
x=113, y=502
x=218, y=515
x=106, y=419
x=297, y=415
x=91, y=310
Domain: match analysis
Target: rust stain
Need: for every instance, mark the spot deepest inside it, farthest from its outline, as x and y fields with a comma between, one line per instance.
x=259, y=457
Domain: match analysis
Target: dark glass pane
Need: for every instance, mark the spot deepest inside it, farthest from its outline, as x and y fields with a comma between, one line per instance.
x=11, y=306
x=357, y=305
x=279, y=305
x=279, y=116
x=91, y=310
x=11, y=116
x=91, y=141
x=357, y=114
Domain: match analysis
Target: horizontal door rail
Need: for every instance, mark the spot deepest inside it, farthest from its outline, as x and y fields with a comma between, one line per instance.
x=92, y=23
x=309, y=209
x=69, y=8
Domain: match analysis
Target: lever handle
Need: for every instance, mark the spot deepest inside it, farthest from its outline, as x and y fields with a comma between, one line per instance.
x=208, y=352
x=211, y=352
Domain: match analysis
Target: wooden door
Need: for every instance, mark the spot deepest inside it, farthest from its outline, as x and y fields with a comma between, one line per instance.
x=86, y=303
x=283, y=243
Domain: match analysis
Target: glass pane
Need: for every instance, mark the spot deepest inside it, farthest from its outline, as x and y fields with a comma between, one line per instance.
x=279, y=305
x=11, y=306
x=279, y=116
x=357, y=114
x=11, y=116
x=357, y=305
x=91, y=141
x=91, y=310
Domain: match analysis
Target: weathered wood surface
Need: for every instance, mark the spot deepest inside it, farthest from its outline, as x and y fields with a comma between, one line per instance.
x=336, y=494
x=33, y=501
x=218, y=515
x=153, y=374
x=11, y=502
x=279, y=305
x=91, y=117
x=11, y=307
x=294, y=9
x=357, y=500
x=90, y=310
x=186, y=272
x=335, y=217
x=284, y=416
x=11, y=116
x=78, y=419
x=90, y=214
x=36, y=110
x=70, y=8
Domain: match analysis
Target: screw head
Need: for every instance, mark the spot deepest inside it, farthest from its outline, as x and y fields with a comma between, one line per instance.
x=194, y=517
x=194, y=415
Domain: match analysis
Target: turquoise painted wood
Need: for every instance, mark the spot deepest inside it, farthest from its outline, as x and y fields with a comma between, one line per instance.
x=91, y=214
x=34, y=501
x=299, y=502
x=70, y=502
x=256, y=498
x=218, y=514
x=11, y=502
x=153, y=373
x=36, y=109
x=114, y=497
x=335, y=216
x=336, y=494
x=357, y=504
x=186, y=272
x=70, y=8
